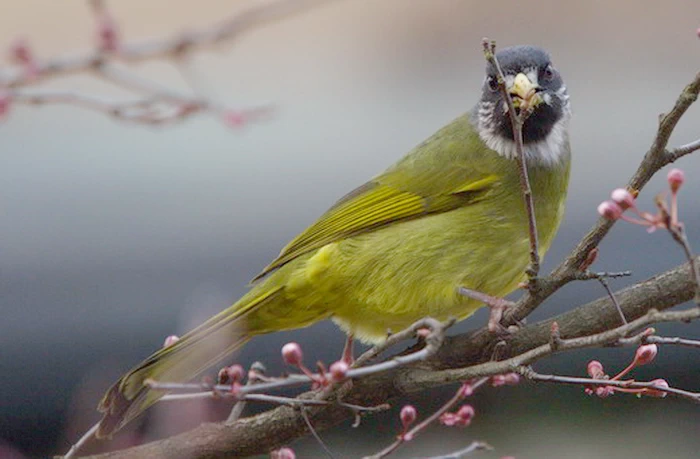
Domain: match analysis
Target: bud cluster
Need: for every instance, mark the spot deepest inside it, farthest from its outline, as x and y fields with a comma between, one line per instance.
x=623, y=200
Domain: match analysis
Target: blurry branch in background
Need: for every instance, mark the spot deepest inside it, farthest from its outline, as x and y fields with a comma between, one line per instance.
x=152, y=102
x=472, y=359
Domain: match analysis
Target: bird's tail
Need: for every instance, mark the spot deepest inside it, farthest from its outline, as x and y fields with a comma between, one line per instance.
x=191, y=355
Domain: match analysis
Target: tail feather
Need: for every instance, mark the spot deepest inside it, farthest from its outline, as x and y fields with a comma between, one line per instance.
x=195, y=352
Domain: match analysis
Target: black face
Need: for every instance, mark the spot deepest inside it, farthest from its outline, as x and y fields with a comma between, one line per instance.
x=534, y=63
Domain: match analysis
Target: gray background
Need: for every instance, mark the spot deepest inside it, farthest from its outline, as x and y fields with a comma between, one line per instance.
x=113, y=236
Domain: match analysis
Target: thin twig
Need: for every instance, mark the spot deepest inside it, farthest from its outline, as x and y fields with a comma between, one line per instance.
x=630, y=384
x=78, y=445
x=274, y=399
x=318, y=438
x=395, y=338
x=459, y=454
x=608, y=337
x=590, y=275
x=517, y=121
x=673, y=340
x=433, y=341
x=411, y=434
x=167, y=47
x=158, y=104
x=256, y=370
x=656, y=158
x=606, y=286
x=678, y=234
x=683, y=150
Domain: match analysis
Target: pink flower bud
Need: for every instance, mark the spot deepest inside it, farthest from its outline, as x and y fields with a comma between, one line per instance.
x=20, y=52
x=234, y=119
x=610, y=210
x=511, y=379
x=292, y=355
x=465, y=414
x=107, y=33
x=622, y=198
x=466, y=390
x=656, y=392
x=339, y=371
x=604, y=391
x=498, y=380
x=5, y=102
x=235, y=373
x=595, y=369
x=408, y=415
x=448, y=419
x=170, y=340
x=645, y=354
x=283, y=453
x=463, y=417
x=675, y=177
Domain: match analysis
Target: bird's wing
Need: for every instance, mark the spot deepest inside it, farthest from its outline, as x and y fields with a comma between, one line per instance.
x=402, y=193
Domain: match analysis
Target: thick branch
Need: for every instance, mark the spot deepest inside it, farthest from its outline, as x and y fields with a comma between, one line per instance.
x=269, y=430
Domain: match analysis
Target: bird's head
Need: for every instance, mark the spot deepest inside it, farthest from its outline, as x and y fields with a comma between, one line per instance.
x=532, y=80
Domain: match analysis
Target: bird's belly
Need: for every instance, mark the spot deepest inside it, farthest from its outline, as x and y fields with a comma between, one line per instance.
x=388, y=279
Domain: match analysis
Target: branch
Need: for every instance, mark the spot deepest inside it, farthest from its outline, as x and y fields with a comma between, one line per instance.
x=155, y=103
x=517, y=120
x=656, y=157
x=461, y=357
x=168, y=47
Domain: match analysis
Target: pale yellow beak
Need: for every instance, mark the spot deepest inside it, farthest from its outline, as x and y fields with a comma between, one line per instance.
x=525, y=92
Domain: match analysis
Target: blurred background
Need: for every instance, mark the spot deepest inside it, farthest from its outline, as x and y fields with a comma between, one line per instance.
x=114, y=235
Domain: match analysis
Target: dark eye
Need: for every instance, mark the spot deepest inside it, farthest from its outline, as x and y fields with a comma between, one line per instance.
x=492, y=82
x=548, y=72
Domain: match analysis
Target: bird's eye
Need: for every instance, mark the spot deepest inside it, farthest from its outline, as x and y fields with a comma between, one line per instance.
x=492, y=83
x=548, y=72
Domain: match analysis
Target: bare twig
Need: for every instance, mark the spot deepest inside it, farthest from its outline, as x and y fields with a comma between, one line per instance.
x=167, y=47
x=433, y=341
x=630, y=384
x=156, y=105
x=264, y=398
x=656, y=158
x=257, y=369
x=78, y=445
x=673, y=340
x=683, y=150
x=517, y=121
x=411, y=434
x=606, y=286
x=678, y=234
x=464, y=452
x=318, y=438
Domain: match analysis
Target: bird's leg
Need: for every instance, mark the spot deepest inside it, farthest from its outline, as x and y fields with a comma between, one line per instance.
x=497, y=305
x=348, y=351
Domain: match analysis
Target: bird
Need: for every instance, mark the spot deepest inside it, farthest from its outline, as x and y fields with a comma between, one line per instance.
x=449, y=214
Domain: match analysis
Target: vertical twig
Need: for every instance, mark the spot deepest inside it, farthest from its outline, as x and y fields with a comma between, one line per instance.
x=678, y=234
x=318, y=438
x=517, y=122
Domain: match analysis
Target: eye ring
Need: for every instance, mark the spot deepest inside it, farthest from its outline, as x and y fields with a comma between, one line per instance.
x=492, y=83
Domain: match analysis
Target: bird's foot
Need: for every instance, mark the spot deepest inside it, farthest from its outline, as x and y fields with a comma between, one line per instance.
x=348, y=351
x=497, y=306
